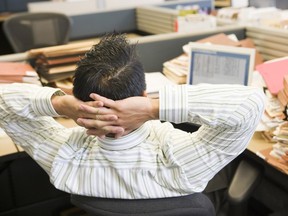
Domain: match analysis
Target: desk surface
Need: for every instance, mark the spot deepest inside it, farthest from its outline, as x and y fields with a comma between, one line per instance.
x=258, y=143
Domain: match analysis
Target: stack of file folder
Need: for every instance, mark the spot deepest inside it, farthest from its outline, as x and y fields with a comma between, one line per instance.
x=55, y=68
x=20, y=72
x=56, y=65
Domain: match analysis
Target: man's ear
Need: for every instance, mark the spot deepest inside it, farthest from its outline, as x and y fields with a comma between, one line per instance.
x=144, y=94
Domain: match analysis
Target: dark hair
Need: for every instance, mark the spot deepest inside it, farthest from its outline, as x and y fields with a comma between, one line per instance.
x=110, y=68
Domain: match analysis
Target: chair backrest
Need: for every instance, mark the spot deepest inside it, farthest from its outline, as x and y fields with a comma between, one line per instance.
x=27, y=31
x=196, y=204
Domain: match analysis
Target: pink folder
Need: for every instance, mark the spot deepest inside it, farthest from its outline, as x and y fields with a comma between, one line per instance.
x=273, y=74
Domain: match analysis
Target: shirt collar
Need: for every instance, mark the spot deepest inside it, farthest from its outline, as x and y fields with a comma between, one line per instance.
x=128, y=141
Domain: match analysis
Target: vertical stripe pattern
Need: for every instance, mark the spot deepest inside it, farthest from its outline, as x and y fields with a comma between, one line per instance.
x=153, y=161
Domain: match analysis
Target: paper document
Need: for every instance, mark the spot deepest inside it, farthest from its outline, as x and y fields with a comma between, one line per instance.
x=155, y=81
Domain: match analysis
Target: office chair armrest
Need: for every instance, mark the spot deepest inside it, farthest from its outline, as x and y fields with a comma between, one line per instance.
x=245, y=180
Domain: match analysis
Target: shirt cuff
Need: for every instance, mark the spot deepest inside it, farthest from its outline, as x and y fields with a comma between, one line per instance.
x=41, y=101
x=173, y=104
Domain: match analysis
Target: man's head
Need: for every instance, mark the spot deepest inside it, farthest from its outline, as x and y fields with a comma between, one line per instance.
x=111, y=68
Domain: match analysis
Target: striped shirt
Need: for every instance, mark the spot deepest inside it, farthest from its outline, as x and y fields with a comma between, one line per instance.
x=156, y=160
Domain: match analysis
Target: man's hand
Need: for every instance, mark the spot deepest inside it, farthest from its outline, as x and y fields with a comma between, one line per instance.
x=69, y=106
x=130, y=113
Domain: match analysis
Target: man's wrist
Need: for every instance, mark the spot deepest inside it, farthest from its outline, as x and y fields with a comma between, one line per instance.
x=56, y=101
x=155, y=108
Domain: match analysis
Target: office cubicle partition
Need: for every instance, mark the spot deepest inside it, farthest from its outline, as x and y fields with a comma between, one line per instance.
x=14, y=6
x=152, y=19
x=154, y=50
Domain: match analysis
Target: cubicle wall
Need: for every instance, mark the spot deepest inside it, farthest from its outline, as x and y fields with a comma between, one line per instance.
x=99, y=23
x=271, y=43
x=152, y=19
x=13, y=6
x=283, y=4
x=154, y=50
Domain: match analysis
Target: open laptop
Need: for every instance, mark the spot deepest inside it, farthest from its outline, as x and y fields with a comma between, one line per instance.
x=220, y=64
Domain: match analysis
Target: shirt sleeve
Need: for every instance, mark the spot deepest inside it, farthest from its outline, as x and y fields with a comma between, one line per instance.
x=26, y=115
x=19, y=98
x=228, y=115
x=209, y=104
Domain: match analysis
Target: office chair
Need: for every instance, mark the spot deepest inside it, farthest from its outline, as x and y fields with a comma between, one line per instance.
x=27, y=31
x=196, y=204
x=245, y=180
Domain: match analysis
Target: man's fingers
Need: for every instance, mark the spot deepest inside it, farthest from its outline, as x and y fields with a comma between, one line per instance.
x=89, y=109
x=92, y=123
x=107, y=102
x=94, y=103
x=102, y=113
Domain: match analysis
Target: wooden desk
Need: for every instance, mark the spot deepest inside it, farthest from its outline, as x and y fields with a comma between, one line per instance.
x=258, y=143
x=7, y=146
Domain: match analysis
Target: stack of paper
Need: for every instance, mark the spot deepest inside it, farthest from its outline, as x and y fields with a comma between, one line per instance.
x=280, y=163
x=277, y=154
x=155, y=81
x=195, y=22
x=176, y=69
x=22, y=72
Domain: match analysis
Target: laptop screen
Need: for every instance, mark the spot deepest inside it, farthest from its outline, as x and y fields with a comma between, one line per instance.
x=219, y=64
